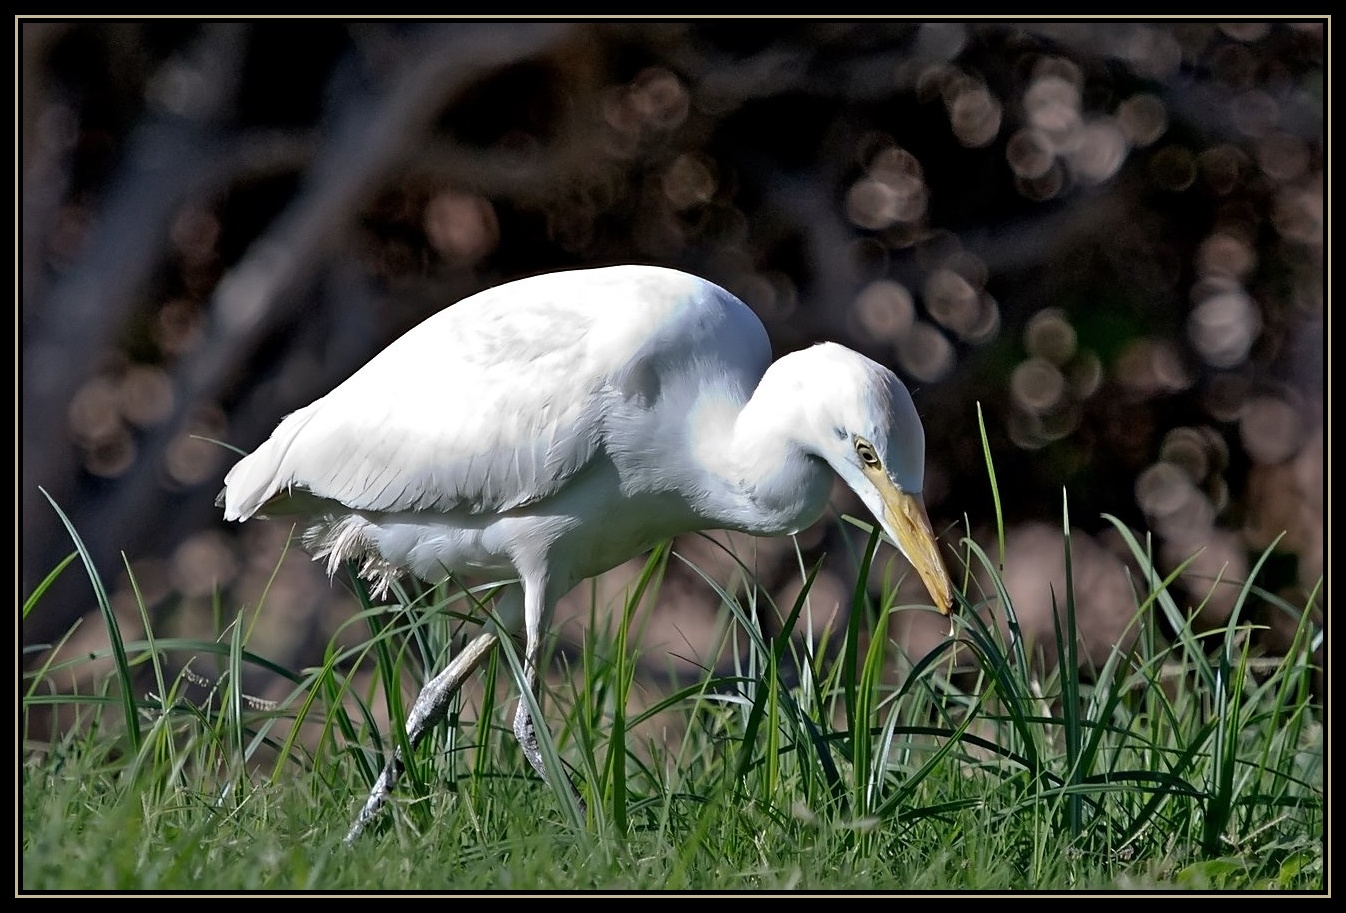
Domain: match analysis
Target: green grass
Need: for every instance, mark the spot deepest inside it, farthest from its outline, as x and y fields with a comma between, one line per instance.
x=1188, y=763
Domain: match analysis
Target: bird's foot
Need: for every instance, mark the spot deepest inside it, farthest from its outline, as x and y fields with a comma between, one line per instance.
x=378, y=796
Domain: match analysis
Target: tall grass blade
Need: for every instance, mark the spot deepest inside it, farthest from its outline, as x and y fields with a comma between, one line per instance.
x=388, y=662
x=557, y=776
x=653, y=570
x=1229, y=702
x=1158, y=590
x=234, y=719
x=864, y=765
x=759, y=648
x=859, y=603
x=47, y=581
x=773, y=654
x=130, y=715
x=995, y=487
x=1068, y=671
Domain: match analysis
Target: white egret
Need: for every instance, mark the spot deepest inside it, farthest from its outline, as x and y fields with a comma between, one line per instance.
x=553, y=427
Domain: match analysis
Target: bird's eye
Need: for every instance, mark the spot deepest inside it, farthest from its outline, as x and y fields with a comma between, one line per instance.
x=865, y=450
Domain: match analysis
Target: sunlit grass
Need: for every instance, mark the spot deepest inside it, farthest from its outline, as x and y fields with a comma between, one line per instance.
x=1185, y=762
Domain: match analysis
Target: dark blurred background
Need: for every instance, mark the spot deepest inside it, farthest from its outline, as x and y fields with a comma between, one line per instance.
x=1110, y=235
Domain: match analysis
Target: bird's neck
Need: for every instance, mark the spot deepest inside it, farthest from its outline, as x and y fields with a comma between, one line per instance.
x=767, y=483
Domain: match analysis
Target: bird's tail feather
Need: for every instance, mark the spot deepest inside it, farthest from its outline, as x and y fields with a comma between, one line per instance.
x=260, y=475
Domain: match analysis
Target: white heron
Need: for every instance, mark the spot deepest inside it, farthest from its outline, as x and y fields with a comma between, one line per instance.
x=554, y=427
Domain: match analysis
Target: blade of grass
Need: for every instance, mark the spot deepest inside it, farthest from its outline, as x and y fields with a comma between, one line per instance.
x=863, y=763
x=235, y=722
x=653, y=570
x=851, y=656
x=1229, y=702
x=821, y=750
x=1069, y=674
x=47, y=581
x=773, y=655
x=388, y=662
x=1159, y=591
x=995, y=487
x=1016, y=638
x=558, y=777
x=130, y=715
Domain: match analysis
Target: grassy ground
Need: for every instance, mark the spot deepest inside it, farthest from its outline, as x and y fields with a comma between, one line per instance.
x=1187, y=764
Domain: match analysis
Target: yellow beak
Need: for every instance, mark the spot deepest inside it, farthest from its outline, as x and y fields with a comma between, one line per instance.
x=906, y=520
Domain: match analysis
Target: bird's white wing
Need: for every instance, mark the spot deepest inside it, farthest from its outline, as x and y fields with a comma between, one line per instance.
x=488, y=405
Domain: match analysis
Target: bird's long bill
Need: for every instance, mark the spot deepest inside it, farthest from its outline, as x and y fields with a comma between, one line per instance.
x=909, y=524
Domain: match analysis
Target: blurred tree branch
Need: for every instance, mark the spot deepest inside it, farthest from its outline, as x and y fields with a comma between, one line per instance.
x=371, y=134
x=292, y=196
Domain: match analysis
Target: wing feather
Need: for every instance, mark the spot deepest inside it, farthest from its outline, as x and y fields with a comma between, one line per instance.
x=493, y=403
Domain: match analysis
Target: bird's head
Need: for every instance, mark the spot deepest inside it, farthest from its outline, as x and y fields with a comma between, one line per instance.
x=868, y=431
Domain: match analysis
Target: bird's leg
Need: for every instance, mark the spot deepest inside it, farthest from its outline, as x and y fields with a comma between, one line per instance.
x=527, y=735
x=430, y=709
x=523, y=723
x=534, y=614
